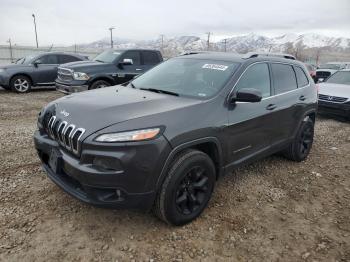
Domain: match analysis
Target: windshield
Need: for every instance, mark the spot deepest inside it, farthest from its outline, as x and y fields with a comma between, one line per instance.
x=340, y=78
x=188, y=77
x=107, y=56
x=331, y=66
x=25, y=60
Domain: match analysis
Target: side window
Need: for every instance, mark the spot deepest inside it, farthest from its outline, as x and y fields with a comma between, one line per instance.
x=134, y=55
x=257, y=76
x=49, y=60
x=301, y=77
x=150, y=58
x=67, y=59
x=283, y=78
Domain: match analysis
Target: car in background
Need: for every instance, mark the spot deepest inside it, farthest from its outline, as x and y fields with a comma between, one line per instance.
x=34, y=70
x=326, y=70
x=111, y=67
x=334, y=94
x=312, y=70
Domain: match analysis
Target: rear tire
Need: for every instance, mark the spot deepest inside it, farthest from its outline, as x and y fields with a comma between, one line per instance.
x=99, y=84
x=300, y=148
x=186, y=189
x=20, y=84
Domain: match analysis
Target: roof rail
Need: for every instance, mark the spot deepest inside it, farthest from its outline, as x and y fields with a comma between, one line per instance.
x=194, y=52
x=281, y=55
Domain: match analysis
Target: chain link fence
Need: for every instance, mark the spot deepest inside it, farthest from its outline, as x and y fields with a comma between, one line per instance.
x=11, y=54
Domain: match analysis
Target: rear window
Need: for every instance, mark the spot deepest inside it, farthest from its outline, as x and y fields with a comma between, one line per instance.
x=150, y=58
x=67, y=59
x=283, y=78
x=301, y=77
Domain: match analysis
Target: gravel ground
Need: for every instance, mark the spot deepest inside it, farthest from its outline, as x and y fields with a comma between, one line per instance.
x=273, y=210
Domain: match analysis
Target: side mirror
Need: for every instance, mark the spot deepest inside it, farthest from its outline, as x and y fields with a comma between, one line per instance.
x=127, y=61
x=37, y=62
x=247, y=95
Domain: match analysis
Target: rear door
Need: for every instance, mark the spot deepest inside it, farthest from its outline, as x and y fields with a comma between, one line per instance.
x=286, y=101
x=250, y=123
x=149, y=60
x=46, y=70
x=128, y=72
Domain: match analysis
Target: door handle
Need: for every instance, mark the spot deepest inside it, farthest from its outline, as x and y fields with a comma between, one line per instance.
x=302, y=98
x=138, y=69
x=271, y=107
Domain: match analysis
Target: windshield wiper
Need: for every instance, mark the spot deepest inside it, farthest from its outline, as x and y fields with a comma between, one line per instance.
x=160, y=91
x=99, y=61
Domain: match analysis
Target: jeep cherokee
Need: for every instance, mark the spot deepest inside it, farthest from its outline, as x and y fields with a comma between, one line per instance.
x=162, y=140
x=111, y=67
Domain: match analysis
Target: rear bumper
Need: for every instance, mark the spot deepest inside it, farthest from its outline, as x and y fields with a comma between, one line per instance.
x=124, y=188
x=68, y=89
x=339, y=109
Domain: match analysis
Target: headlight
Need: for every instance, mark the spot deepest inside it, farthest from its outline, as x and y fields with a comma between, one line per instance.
x=137, y=135
x=2, y=70
x=80, y=76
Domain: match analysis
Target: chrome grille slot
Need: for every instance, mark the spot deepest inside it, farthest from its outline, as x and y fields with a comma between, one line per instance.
x=67, y=135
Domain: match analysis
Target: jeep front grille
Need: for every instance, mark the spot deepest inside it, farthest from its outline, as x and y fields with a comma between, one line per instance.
x=334, y=99
x=67, y=135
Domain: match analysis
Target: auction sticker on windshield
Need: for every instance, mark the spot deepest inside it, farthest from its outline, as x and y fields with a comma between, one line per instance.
x=215, y=67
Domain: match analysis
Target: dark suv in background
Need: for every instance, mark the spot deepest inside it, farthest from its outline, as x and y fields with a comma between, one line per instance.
x=34, y=70
x=111, y=67
x=162, y=140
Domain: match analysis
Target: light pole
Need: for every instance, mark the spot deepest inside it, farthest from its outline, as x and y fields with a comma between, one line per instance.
x=36, y=34
x=111, y=29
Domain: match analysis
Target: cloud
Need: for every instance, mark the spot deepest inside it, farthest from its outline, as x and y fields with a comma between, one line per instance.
x=68, y=22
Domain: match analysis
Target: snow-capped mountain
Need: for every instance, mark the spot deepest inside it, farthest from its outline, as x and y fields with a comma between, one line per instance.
x=240, y=44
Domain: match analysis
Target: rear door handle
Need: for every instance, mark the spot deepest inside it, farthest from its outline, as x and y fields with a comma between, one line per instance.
x=302, y=98
x=271, y=107
x=138, y=69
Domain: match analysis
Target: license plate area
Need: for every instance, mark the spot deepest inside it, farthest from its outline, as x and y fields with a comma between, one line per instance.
x=54, y=160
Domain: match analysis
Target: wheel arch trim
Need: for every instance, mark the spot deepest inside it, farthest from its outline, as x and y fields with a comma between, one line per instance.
x=186, y=145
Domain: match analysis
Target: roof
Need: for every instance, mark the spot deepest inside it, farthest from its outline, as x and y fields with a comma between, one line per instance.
x=234, y=57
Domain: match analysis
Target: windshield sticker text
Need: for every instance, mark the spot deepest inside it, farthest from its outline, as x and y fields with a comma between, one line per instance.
x=215, y=67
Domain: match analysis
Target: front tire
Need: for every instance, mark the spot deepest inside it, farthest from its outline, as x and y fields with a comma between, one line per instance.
x=99, y=84
x=20, y=84
x=186, y=189
x=300, y=148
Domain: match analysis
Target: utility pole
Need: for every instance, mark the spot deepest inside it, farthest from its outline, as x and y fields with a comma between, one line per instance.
x=36, y=34
x=111, y=29
x=208, y=41
x=225, y=43
x=11, y=56
x=162, y=42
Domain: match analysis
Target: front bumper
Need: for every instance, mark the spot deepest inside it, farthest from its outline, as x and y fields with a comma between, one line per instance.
x=68, y=89
x=125, y=188
x=339, y=109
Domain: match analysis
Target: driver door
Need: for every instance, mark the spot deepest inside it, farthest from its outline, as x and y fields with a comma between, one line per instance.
x=250, y=124
x=45, y=69
x=127, y=72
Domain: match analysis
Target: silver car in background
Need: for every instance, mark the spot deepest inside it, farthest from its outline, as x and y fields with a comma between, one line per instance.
x=334, y=94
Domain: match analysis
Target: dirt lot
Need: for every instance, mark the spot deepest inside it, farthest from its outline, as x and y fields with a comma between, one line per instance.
x=274, y=210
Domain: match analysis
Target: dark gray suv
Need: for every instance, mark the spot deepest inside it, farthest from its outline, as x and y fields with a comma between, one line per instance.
x=34, y=70
x=161, y=141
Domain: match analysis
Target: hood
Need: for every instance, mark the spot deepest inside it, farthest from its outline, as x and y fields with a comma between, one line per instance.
x=12, y=66
x=334, y=90
x=97, y=109
x=86, y=66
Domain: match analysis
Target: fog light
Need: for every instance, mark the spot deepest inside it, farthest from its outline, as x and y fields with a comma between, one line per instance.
x=106, y=163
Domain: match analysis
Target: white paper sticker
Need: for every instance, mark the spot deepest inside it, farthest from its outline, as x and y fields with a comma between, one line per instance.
x=215, y=67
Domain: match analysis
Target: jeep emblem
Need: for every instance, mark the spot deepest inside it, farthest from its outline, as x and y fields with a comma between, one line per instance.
x=65, y=113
